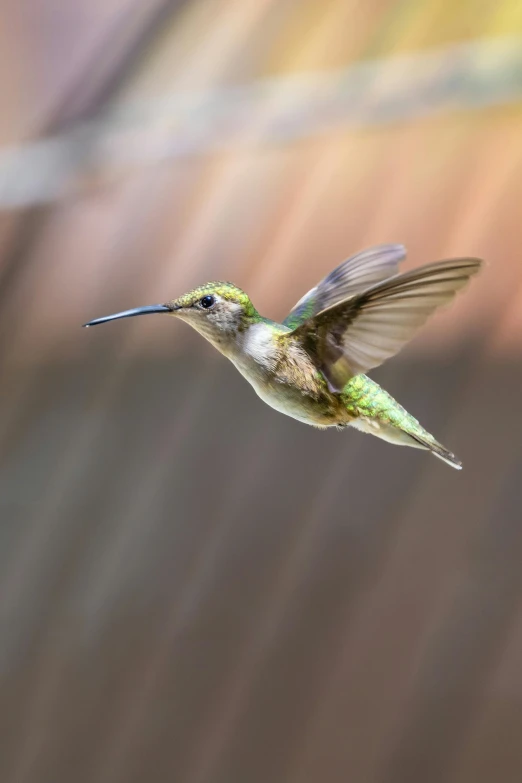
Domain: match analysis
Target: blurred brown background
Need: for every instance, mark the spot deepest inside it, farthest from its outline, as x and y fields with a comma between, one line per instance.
x=193, y=587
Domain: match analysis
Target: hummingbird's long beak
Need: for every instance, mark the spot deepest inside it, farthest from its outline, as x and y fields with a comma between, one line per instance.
x=157, y=308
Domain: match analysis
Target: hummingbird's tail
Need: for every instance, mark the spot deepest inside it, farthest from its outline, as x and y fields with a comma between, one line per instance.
x=376, y=412
x=437, y=449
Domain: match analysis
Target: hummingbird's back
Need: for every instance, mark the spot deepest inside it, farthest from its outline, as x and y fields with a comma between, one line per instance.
x=376, y=412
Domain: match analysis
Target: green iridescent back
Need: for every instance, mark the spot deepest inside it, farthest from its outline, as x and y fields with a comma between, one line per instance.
x=301, y=313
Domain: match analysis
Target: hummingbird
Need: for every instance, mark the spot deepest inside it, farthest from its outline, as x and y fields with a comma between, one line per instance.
x=312, y=365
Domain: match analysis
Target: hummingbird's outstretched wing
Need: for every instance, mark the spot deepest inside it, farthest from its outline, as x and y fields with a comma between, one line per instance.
x=353, y=276
x=351, y=337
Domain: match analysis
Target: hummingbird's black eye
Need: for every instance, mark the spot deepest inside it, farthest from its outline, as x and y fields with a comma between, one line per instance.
x=207, y=301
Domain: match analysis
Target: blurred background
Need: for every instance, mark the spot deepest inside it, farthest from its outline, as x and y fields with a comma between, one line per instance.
x=193, y=587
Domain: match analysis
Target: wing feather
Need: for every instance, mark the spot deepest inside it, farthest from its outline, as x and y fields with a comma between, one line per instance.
x=352, y=336
x=353, y=276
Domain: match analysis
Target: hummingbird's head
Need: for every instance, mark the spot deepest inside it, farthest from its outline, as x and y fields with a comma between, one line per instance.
x=219, y=311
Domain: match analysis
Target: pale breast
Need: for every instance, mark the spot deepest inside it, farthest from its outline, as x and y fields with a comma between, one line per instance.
x=285, y=378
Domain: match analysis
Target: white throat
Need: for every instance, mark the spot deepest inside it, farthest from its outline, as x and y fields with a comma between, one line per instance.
x=259, y=345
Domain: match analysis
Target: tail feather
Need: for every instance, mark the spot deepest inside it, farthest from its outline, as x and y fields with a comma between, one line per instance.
x=438, y=450
x=376, y=412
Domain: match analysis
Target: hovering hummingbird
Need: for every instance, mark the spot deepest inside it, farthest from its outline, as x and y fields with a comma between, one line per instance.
x=312, y=365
